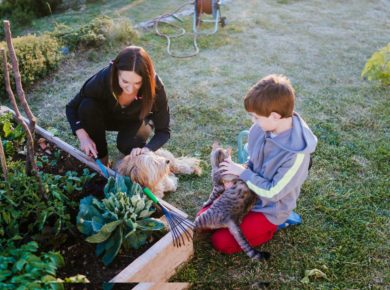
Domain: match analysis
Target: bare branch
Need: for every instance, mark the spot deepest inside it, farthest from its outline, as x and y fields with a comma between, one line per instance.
x=19, y=118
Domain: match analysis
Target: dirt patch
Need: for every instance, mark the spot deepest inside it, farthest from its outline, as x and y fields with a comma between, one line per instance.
x=80, y=258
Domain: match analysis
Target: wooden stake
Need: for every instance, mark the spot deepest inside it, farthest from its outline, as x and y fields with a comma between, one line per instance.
x=18, y=78
x=19, y=118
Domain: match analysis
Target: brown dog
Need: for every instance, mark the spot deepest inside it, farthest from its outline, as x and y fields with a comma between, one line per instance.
x=156, y=170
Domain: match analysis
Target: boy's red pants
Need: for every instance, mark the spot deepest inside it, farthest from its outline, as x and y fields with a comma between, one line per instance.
x=255, y=227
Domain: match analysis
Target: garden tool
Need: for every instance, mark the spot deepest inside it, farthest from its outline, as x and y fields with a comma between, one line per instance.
x=178, y=224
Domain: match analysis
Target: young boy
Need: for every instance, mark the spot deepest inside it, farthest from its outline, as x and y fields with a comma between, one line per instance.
x=279, y=147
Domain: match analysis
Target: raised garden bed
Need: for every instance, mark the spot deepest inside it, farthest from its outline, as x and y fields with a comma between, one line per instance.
x=154, y=263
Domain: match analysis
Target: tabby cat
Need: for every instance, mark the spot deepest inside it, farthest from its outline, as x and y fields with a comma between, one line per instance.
x=230, y=201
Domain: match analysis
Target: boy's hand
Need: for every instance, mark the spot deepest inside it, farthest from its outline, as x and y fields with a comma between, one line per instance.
x=230, y=167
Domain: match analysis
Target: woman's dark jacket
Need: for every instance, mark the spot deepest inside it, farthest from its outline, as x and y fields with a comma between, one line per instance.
x=98, y=88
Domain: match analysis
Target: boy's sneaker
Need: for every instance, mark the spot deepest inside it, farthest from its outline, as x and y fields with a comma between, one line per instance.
x=293, y=219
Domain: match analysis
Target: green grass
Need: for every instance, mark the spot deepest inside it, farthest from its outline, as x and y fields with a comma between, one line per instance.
x=322, y=46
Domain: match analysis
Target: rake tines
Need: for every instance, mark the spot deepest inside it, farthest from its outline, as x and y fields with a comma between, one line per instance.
x=178, y=224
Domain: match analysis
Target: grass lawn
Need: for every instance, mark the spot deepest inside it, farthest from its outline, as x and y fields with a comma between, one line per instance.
x=322, y=47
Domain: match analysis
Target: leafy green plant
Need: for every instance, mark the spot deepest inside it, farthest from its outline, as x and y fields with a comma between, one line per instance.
x=24, y=267
x=13, y=136
x=24, y=213
x=122, y=218
x=378, y=66
x=72, y=181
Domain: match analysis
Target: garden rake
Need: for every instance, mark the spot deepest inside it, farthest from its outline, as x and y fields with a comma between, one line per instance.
x=178, y=224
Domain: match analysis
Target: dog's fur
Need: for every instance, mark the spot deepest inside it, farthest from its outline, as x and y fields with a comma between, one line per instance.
x=156, y=170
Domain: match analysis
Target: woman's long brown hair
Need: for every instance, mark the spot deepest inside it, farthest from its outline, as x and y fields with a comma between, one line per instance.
x=136, y=59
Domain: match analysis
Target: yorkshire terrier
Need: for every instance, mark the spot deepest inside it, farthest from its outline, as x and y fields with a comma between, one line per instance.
x=156, y=170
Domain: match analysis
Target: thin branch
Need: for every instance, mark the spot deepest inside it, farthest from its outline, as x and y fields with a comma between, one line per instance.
x=3, y=160
x=19, y=118
x=18, y=78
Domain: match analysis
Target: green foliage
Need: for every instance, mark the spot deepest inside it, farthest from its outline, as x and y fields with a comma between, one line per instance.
x=100, y=31
x=23, y=268
x=12, y=136
x=71, y=181
x=122, y=218
x=25, y=214
x=378, y=66
x=37, y=57
x=22, y=12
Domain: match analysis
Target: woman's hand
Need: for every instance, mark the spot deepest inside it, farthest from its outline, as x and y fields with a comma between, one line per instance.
x=230, y=167
x=138, y=151
x=86, y=143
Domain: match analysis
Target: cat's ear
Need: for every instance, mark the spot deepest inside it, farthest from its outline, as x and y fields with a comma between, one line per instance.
x=229, y=151
x=215, y=145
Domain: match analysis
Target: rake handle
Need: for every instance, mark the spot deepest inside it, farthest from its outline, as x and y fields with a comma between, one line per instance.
x=149, y=193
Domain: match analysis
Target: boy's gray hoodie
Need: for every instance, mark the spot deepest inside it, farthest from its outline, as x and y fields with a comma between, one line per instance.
x=277, y=168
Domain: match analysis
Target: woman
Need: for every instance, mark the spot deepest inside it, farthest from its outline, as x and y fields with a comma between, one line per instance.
x=126, y=96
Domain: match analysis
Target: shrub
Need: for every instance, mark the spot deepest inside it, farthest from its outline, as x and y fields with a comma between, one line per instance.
x=24, y=268
x=100, y=31
x=378, y=66
x=37, y=56
x=22, y=12
x=25, y=214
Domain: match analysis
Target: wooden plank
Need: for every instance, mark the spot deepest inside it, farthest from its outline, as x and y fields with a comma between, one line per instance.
x=158, y=263
x=162, y=286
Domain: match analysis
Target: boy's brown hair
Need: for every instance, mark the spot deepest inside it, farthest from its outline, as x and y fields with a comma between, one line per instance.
x=273, y=93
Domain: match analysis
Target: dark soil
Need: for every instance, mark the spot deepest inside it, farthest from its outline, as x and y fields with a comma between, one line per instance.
x=80, y=258
x=60, y=161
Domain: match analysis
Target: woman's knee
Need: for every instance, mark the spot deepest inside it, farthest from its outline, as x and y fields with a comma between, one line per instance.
x=126, y=145
x=133, y=138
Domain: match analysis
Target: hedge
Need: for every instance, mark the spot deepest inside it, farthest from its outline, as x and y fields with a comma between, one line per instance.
x=37, y=57
x=22, y=12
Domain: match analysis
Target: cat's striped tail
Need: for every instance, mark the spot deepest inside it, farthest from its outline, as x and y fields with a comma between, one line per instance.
x=245, y=246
